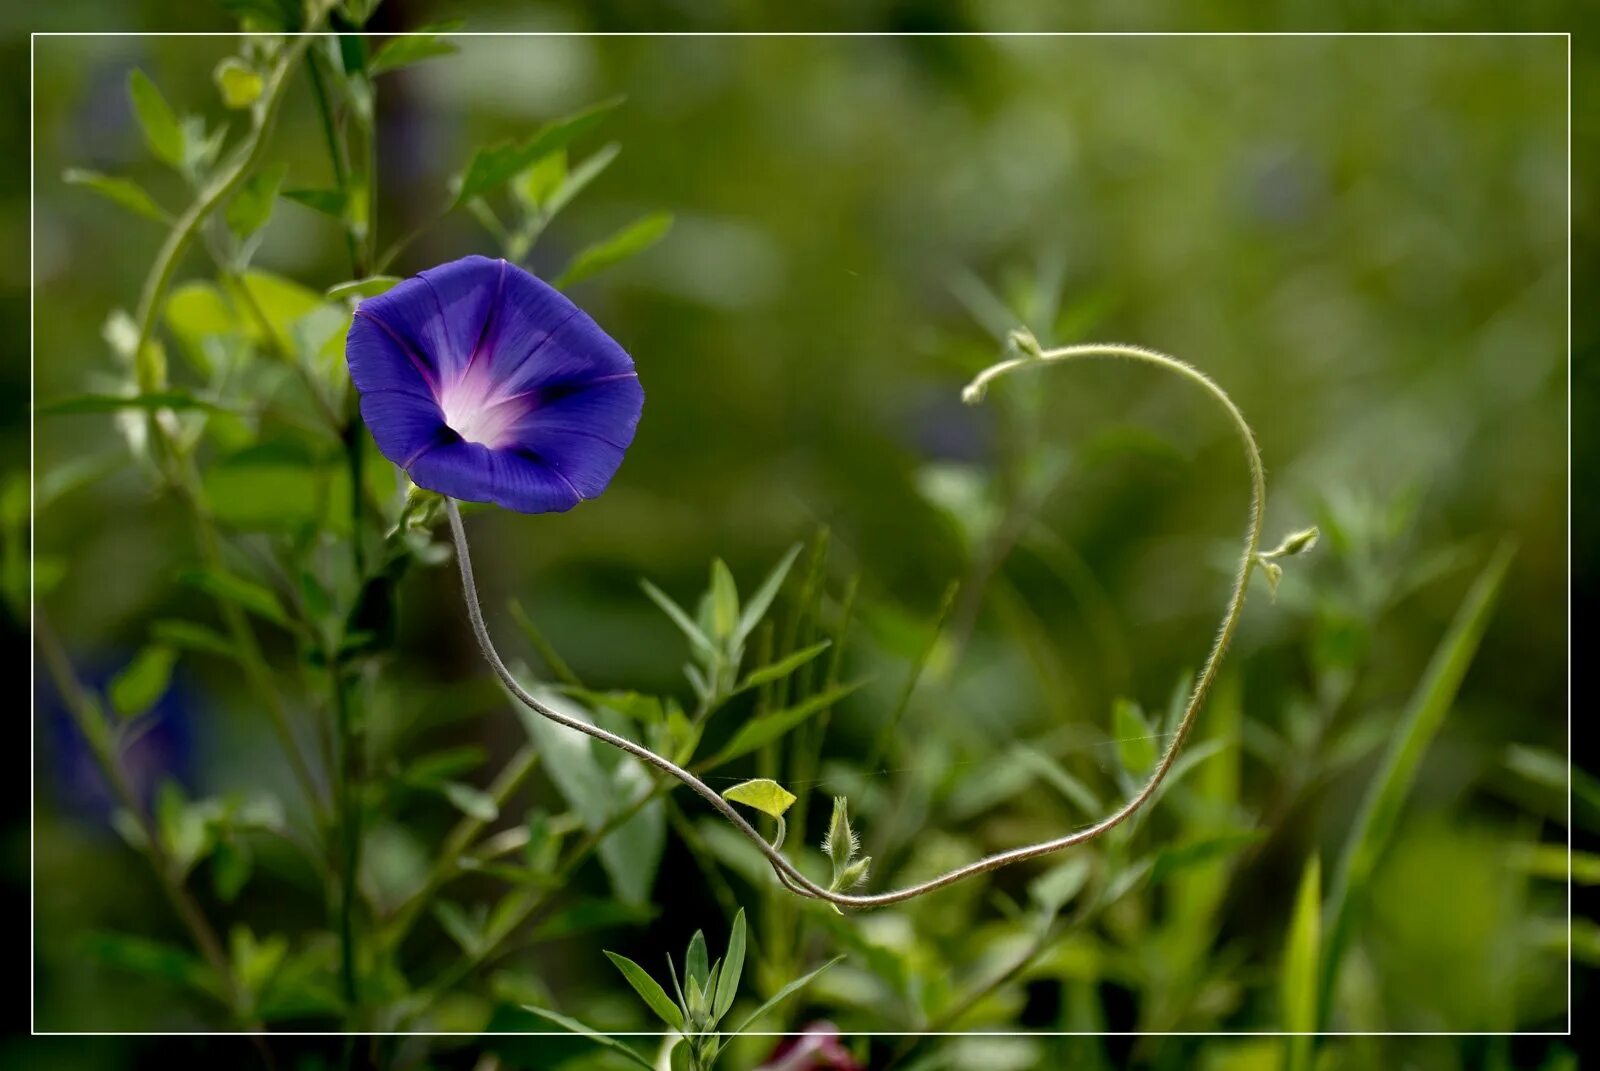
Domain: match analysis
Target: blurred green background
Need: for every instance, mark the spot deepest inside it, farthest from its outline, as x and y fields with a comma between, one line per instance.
x=1362, y=239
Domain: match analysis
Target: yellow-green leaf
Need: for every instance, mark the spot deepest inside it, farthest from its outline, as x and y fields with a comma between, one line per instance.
x=239, y=85
x=764, y=794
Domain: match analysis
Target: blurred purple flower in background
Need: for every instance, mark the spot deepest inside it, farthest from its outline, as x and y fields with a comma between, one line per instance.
x=487, y=385
x=816, y=1048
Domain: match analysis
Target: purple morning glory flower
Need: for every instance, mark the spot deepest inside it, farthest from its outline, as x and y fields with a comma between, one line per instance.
x=487, y=385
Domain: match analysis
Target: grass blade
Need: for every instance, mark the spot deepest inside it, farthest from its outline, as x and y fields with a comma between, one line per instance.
x=1298, y=994
x=1380, y=811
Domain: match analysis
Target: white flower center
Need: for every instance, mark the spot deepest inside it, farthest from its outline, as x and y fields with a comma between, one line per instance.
x=478, y=411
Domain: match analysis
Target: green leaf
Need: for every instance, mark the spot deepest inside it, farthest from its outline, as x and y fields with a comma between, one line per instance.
x=288, y=308
x=152, y=959
x=697, y=963
x=239, y=84
x=142, y=682
x=538, y=182
x=1300, y=967
x=246, y=594
x=757, y=607
x=1380, y=812
x=724, y=601
x=277, y=486
x=630, y=853
x=197, y=311
x=679, y=617
x=782, y=995
x=434, y=770
x=422, y=45
x=649, y=990
x=231, y=865
x=371, y=286
x=578, y=178
x=162, y=134
x=328, y=202
x=175, y=400
x=496, y=164
x=630, y=241
x=188, y=636
x=251, y=207
x=768, y=727
x=1136, y=747
x=782, y=667
x=1055, y=888
x=125, y=192
x=732, y=968
x=764, y=794
x=471, y=801
x=593, y=1035
x=462, y=929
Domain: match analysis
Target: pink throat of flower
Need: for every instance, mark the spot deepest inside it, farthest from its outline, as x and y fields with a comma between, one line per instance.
x=478, y=411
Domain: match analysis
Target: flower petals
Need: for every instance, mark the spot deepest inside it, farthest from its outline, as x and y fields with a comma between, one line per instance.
x=404, y=425
x=538, y=338
x=486, y=384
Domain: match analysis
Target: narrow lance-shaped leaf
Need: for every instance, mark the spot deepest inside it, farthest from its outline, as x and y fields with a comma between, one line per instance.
x=175, y=400
x=412, y=48
x=371, y=286
x=680, y=617
x=768, y=727
x=593, y=1035
x=162, y=134
x=783, y=667
x=245, y=594
x=125, y=192
x=630, y=241
x=782, y=995
x=496, y=164
x=732, y=967
x=649, y=990
x=757, y=607
x=697, y=963
x=578, y=178
x=472, y=802
x=724, y=601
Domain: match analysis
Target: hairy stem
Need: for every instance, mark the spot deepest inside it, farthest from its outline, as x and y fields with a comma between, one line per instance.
x=787, y=872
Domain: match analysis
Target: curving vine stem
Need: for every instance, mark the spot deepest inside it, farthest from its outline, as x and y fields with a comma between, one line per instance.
x=1031, y=356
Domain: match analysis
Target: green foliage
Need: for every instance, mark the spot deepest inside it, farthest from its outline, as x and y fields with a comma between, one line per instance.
x=1380, y=812
x=705, y=993
x=985, y=650
x=494, y=166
